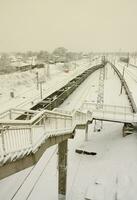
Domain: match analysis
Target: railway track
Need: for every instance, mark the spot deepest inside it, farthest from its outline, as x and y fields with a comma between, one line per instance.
x=59, y=96
x=128, y=128
x=25, y=138
x=127, y=90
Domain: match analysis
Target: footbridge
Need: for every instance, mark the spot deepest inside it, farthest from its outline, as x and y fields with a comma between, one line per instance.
x=24, y=141
x=26, y=134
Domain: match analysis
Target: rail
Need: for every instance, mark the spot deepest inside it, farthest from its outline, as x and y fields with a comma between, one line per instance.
x=23, y=131
x=22, y=136
x=127, y=90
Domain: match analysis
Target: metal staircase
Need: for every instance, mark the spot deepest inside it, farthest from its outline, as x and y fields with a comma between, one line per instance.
x=19, y=138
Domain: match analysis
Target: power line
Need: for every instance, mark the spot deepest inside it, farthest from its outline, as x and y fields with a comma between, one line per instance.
x=22, y=183
x=29, y=175
x=40, y=174
x=132, y=76
x=74, y=178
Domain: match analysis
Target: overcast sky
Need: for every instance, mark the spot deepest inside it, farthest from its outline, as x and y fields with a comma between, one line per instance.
x=79, y=25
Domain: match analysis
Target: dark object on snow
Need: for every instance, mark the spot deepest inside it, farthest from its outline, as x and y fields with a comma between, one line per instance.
x=85, y=152
x=12, y=94
x=78, y=151
x=89, y=153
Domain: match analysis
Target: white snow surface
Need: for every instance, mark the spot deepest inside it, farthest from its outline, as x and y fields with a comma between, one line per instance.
x=24, y=84
x=110, y=175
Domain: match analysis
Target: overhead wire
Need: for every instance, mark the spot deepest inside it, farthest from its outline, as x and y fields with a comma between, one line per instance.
x=74, y=179
x=41, y=174
x=132, y=76
x=22, y=182
x=25, y=179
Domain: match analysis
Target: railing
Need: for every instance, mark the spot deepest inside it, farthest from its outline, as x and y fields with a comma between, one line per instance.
x=115, y=113
x=114, y=116
x=22, y=137
x=115, y=108
x=13, y=113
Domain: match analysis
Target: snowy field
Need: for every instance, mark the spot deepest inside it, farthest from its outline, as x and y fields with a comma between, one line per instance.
x=110, y=175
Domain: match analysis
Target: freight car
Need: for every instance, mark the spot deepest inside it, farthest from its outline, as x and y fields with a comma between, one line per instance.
x=58, y=97
x=29, y=67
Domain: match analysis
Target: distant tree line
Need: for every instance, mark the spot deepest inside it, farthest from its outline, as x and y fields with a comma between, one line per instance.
x=5, y=66
x=60, y=54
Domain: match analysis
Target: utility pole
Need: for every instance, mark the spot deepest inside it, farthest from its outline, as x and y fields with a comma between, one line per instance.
x=48, y=70
x=41, y=91
x=37, y=80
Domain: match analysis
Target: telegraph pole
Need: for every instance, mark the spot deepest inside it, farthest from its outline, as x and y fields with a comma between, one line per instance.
x=37, y=80
x=41, y=90
x=48, y=70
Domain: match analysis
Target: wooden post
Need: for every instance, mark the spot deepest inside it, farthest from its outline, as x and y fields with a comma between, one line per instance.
x=62, y=170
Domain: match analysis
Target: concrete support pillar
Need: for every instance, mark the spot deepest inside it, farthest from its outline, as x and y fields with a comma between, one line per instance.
x=62, y=170
x=86, y=132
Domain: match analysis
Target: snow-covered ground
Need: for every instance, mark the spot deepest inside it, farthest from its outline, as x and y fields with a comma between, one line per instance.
x=110, y=175
x=112, y=86
x=112, y=172
x=24, y=84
